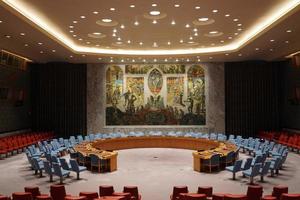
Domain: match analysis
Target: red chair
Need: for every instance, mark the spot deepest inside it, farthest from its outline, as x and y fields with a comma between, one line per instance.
x=278, y=190
x=43, y=197
x=194, y=196
x=106, y=190
x=133, y=190
x=58, y=192
x=218, y=196
x=235, y=197
x=75, y=198
x=286, y=196
x=177, y=190
x=35, y=191
x=254, y=192
x=89, y=195
x=22, y=196
x=207, y=190
x=268, y=197
x=123, y=194
x=2, y=197
x=110, y=198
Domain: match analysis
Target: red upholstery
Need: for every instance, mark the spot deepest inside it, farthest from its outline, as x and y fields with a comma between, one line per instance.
x=123, y=194
x=22, y=196
x=177, y=190
x=286, y=196
x=58, y=192
x=268, y=197
x=111, y=198
x=235, y=197
x=207, y=190
x=254, y=192
x=194, y=196
x=106, y=190
x=35, y=191
x=89, y=195
x=133, y=190
x=43, y=197
x=218, y=196
x=75, y=198
x=2, y=197
x=278, y=190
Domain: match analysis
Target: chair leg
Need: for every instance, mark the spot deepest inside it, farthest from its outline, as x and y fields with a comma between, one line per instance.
x=262, y=178
x=41, y=173
x=251, y=180
x=61, y=180
x=51, y=178
x=78, y=176
x=233, y=176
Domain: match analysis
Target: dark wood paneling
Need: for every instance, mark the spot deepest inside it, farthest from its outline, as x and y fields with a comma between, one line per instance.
x=252, y=92
x=59, y=98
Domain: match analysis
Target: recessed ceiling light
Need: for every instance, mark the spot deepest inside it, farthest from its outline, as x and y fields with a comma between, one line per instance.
x=169, y=43
x=187, y=26
x=154, y=22
x=107, y=20
x=82, y=17
x=181, y=41
x=271, y=49
x=128, y=41
x=88, y=42
x=122, y=60
x=22, y=34
x=195, y=29
x=215, y=11
x=111, y=60
x=229, y=37
x=136, y=23
x=133, y=60
x=115, y=30
x=222, y=41
x=154, y=12
x=289, y=31
x=240, y=29
x=236, y=33
x=53, y=50
x=240, y=54
x=114, y=35
x=210, y=57
x=1, y=21
x=122, y=26
x=155, y=59
x=71, y=26
x=176, y=5
x=144, y=60
x=226, y=54
x=256, y=49
x=287, y=42
x=74, y=35
x=119, y=39
x=71, y=31
x=195, y=34
x=80, y=39
x=154, y=5
x=272, y=40
x=26, y=45
x=197, y=7
x=203, y=19
x=191, y=38
x=97, y=33
x=227, y=15
x=41, y=52
x=173, y=22
x=95, y=12
x=213, y=32
x=199, y=59
x=239, y=24
x=40, y=43
x=75, y=22
x=141, y=43
x=235, y=20
x=7, y=36
x=132, y=6
x=112, y=9
x=97, y=45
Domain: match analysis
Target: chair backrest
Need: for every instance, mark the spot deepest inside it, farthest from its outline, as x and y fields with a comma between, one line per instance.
x=266, y=168
x=277, y=163
x=286, y=196
x=54, y=159
x=74, y=165
x=179, y=189
x=237, y=165
x=57, y=192
x=255, y=169
x=57, y=169
x=106, y=190
x=47, y=167
x=36, y=164
x=258, y=159
x=215, y=159
x=94, y=159
x=80, y=138
x=133, y=190
x=64, y=164
x=230, y=156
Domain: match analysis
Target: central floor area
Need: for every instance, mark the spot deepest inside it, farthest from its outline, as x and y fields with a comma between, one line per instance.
x=154, y=170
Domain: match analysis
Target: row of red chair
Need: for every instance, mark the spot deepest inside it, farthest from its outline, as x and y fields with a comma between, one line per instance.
x=254, y=192
x=10, y=145
x=58, y=192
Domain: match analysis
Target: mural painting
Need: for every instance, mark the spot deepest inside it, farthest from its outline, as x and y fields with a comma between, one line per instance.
x=167, y=94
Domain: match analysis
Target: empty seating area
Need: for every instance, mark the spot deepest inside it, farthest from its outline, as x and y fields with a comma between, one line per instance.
x=11, y=145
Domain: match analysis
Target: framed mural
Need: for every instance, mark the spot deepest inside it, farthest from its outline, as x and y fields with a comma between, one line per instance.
x=163, y=94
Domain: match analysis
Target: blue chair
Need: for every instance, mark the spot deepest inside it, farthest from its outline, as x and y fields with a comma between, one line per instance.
x=91, y=136
x=95, y=162
x=214, y=161
x=229, y=159
x=48, y=170
x=61, y=173
x=235, y=168
x=54, y=159
x=80, y=139
x=64, y=164
x=247, y=164
x=76, y=168
x=257, y=159
x=38, y=166
x=264, y=170
x=252, y=172
x=81, y=159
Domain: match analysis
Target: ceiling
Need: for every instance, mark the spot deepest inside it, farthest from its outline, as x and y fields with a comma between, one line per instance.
x=150, y=31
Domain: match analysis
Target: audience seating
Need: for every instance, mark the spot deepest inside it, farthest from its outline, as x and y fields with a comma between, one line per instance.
x=76, y=168
x=106, y=190
x=235, y=197
x=254, y=192
x=2, y=197
x=75, y=198
x=89, y=195
x=21, y=196
x=218, y=196
x=235, y=168
x=177, y=190
x=35, y=191
x=194, y=196
x=133, y=190
x=285, y=196
x=58, y=192
x=207, y=190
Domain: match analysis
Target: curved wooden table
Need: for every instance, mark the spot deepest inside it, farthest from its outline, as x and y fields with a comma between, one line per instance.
x=204, y=148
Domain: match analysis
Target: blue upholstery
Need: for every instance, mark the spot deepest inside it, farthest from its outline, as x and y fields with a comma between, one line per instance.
x=92, y=137
x=252, y=172
x=79, y=138
x=48, y=170
x=76, y=168
x=247, y=164
x=64, y=164
x=38, y=166
x=61, y=173
x=264, y=170
x=214, y=161
x=235, y=168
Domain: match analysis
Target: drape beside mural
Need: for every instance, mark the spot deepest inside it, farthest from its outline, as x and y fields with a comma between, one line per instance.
x=163, y=94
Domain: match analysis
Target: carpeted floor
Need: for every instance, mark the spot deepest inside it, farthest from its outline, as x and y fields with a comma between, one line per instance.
x=155, y=171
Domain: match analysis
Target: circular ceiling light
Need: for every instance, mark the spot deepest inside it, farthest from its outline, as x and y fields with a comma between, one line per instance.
x=197, y=7
x=201, y=21
x=132, y=6
x=96, y=35
x=154, y=5
x=95, y=12
x=176, y=5
x=154, y=13
x=107, y=22
x=213, y=34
